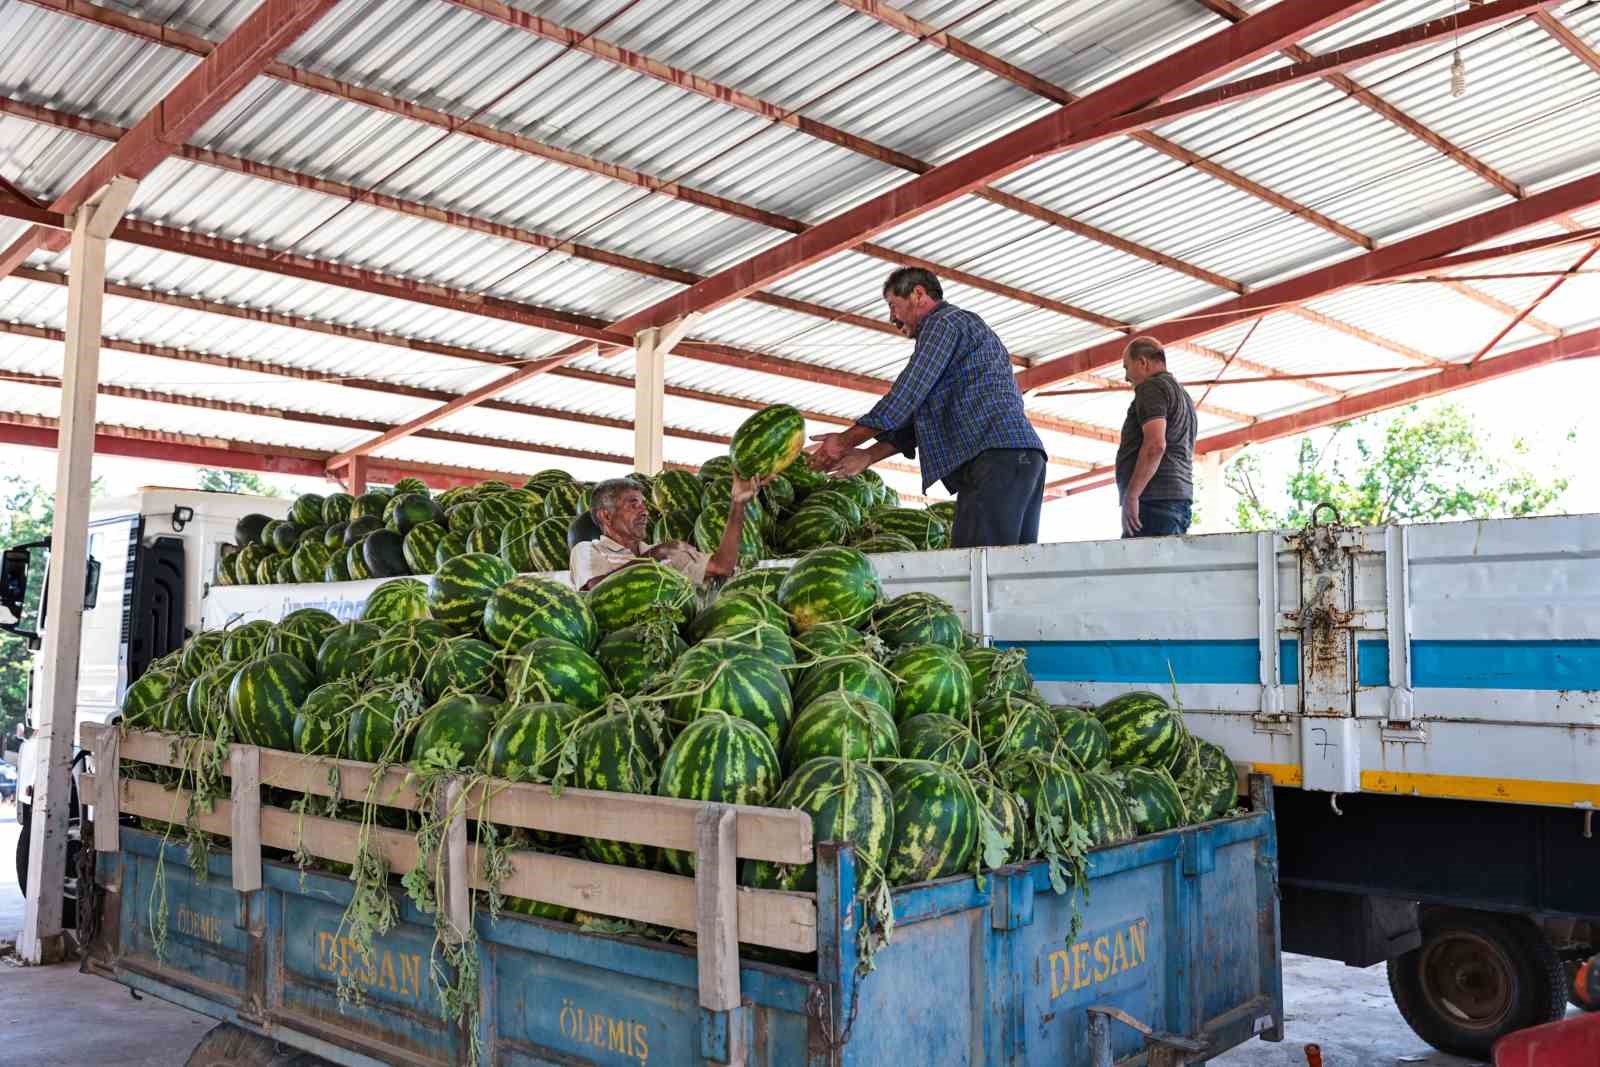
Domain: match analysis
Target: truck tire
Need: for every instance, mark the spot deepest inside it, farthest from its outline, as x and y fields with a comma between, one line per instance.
x=227, y=1045
x=1475, y=978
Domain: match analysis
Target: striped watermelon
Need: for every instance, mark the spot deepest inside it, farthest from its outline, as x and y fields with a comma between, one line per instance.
x=1106, y=813
x=395, y=601
x=829, y=639
x=460, y=589
x=767, y=441
x=333, y=537
x=336, y=507
x=1008, y=818
x=308, y=561
x=516, y=545
x=301, y=633
x=1153, y=800
x=485, y=540
x=722, y=759
x=672, y=526
x=639, y=593
x=862, y=493
x=355, y=562
x=347, y=651
x=549, y=669
x=848, y=802
x=1143, y=730
x=1048, y=787
x=282, y=570
x=380, y=724
x=207, y=698
x=720, y=675
x=451, y=545
x=461, y=518
x=323, y=720
x=421, y=547
x=930, y=678
x=173, y=715
x=141, y=704
x=461, y=665
x=777, y=495
x=763, y=580
x=882, y=542
x=529, y=606
x=1207, y=781
x=564, y=499
x=840, y=503
x=371, y=504
x=1083, y=739
x=527, y=739
x=713, y=522
x=1007, y=723
x=737, y=610
x=940, y=739
x=679, y=491
x=411, y=485
x=923, y=529
x=454, y=731
x=246, y=641
x=200, y=653
x=762, y=638
x=812, y=527
x=620, y=752
x=935, y=822
x=996, y=671
x=264, y=698
x=547, y=544
x=831, y=584
x=716, y=467
x=634, y=655
x=401, y=653
x=840, y=724
x=917, y=619
x=854, y=673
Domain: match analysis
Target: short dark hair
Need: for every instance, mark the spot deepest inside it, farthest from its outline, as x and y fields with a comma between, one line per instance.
x=902, y=280
x=609, y=492
x=1147, y=348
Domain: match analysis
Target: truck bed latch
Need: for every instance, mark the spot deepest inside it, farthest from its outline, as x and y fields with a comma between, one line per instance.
x=1161, y=1049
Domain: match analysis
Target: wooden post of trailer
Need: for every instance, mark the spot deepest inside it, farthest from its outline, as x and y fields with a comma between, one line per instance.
x=56, y=721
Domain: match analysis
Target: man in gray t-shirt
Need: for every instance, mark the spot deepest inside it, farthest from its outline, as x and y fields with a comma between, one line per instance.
x=1155, y=458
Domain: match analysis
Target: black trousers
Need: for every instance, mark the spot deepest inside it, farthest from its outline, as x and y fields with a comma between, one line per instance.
x=998, y=495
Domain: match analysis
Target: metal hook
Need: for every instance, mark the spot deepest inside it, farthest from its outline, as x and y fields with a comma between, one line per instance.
x=1333, y=802
x=1337, y=520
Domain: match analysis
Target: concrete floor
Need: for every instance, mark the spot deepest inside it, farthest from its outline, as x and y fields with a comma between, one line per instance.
x=1346, y=1011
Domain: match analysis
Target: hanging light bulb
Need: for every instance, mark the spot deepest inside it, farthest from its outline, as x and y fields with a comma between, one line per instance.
x=1458, y=75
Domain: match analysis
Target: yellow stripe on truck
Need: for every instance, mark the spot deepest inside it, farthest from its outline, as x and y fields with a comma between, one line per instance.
x=1455, y=786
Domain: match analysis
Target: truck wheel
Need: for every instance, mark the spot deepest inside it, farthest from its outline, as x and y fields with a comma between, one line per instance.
x=23, y=839
x=1475, y=978
x=227, y=1045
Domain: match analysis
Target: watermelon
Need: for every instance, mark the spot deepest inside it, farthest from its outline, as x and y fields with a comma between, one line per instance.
x=336, y=508
x=720, y=675
x=141, y=704
x=564, y=500
x=451, y=545
x=930, y=678
x=639, y=593
x=1083, y=739
x=777, y=495
x=401, y=654
x=333, y=537
x=338, y=568
x=347, y=651
x=881, y=542
x=722, y=759
x=1142, y=729
x=620, y=752
x=285, y=536
x=461, y=518
x=246, y=641
x=369, y=505
x=762, y=638
x=306, y=510
x=356, y=563
x=1047, y=787
x=264, y=698
x=248, y=530
x=411, y=485
x=670, y=526
x=309, y=559
x=1106, y=813
x=395, y=601
x=940, y=739
x=549, y=669
x=927, y=531
x=547, y=544
x=716, y=467
x=767, y=441
x=860, y=492
x=526, y=743
x=323, y=720
x=812, y=527
x=1153, y=800
x=379, y=724
x=995, y=671
x=411, y=510
x=917, y=619
x=634, y=655
x=172, y=716
x=763, y=580
x=945, y=510
x=384, y=553
x=677, y=491
x=935, y=822
x=829, y=585
x=1207, y=781
x=736, y=610
x=282, y=570
x=357, y=530
x=245, y=563
x=1007, y=723
x=709, y=528
x=201, y=652
x=841, y=504
x=421, y=547
x=1008, y=818
x=485, y=539
x=516, y=545
x=829, y=639
x=805, y=478
x=461, y=665
x=529, y=606
x=460, y=589
x=207, y=697
x=852, y=673
x=848, y=802
x=840, y=724
x=301, y=633
x=455, y=730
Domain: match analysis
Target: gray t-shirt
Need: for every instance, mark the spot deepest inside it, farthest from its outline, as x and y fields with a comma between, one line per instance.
x=1160, y=397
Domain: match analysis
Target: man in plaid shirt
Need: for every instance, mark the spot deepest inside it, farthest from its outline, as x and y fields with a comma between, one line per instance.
x=959, y=406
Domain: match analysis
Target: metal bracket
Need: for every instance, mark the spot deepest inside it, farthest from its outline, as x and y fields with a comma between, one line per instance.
x=1272, y=714
x=978, y=582
x=1161, y=1049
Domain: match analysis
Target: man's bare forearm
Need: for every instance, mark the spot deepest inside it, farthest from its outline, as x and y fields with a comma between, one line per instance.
x=1145, y=467
x=726, y=557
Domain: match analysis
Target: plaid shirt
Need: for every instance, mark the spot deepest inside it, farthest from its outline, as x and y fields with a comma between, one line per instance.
x=955, y=398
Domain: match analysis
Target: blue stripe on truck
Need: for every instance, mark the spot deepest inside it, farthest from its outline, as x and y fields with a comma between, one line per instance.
x=1572, y=665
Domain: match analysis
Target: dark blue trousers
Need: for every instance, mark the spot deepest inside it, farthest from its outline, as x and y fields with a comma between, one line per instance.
x=998, y=495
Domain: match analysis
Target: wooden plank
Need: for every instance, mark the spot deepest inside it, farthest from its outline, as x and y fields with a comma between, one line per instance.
x=716, y=910
x=244, y=767
x=103, y=743
x=454, y=895
x=170, y=805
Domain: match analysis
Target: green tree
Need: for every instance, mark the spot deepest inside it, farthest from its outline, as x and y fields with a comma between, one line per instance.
x=226, y=481
x=25, y=515
x=1415, y=467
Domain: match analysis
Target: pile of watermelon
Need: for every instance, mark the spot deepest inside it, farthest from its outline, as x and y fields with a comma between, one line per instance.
x=804, y=688
x=387, y=533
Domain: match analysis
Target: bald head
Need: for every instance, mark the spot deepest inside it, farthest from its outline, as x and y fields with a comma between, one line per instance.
x=1142, y=358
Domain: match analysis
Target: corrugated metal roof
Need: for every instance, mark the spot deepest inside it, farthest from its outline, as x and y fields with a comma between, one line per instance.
x=1529, y=110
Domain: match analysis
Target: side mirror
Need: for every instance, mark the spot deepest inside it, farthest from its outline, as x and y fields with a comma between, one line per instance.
x=16, y=569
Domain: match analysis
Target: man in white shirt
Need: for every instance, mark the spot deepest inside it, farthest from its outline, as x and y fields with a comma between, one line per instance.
x=619, y=509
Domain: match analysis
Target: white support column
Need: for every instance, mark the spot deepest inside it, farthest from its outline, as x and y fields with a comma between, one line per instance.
x=651, y=348
x=1211, y=498
x=56, y=720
